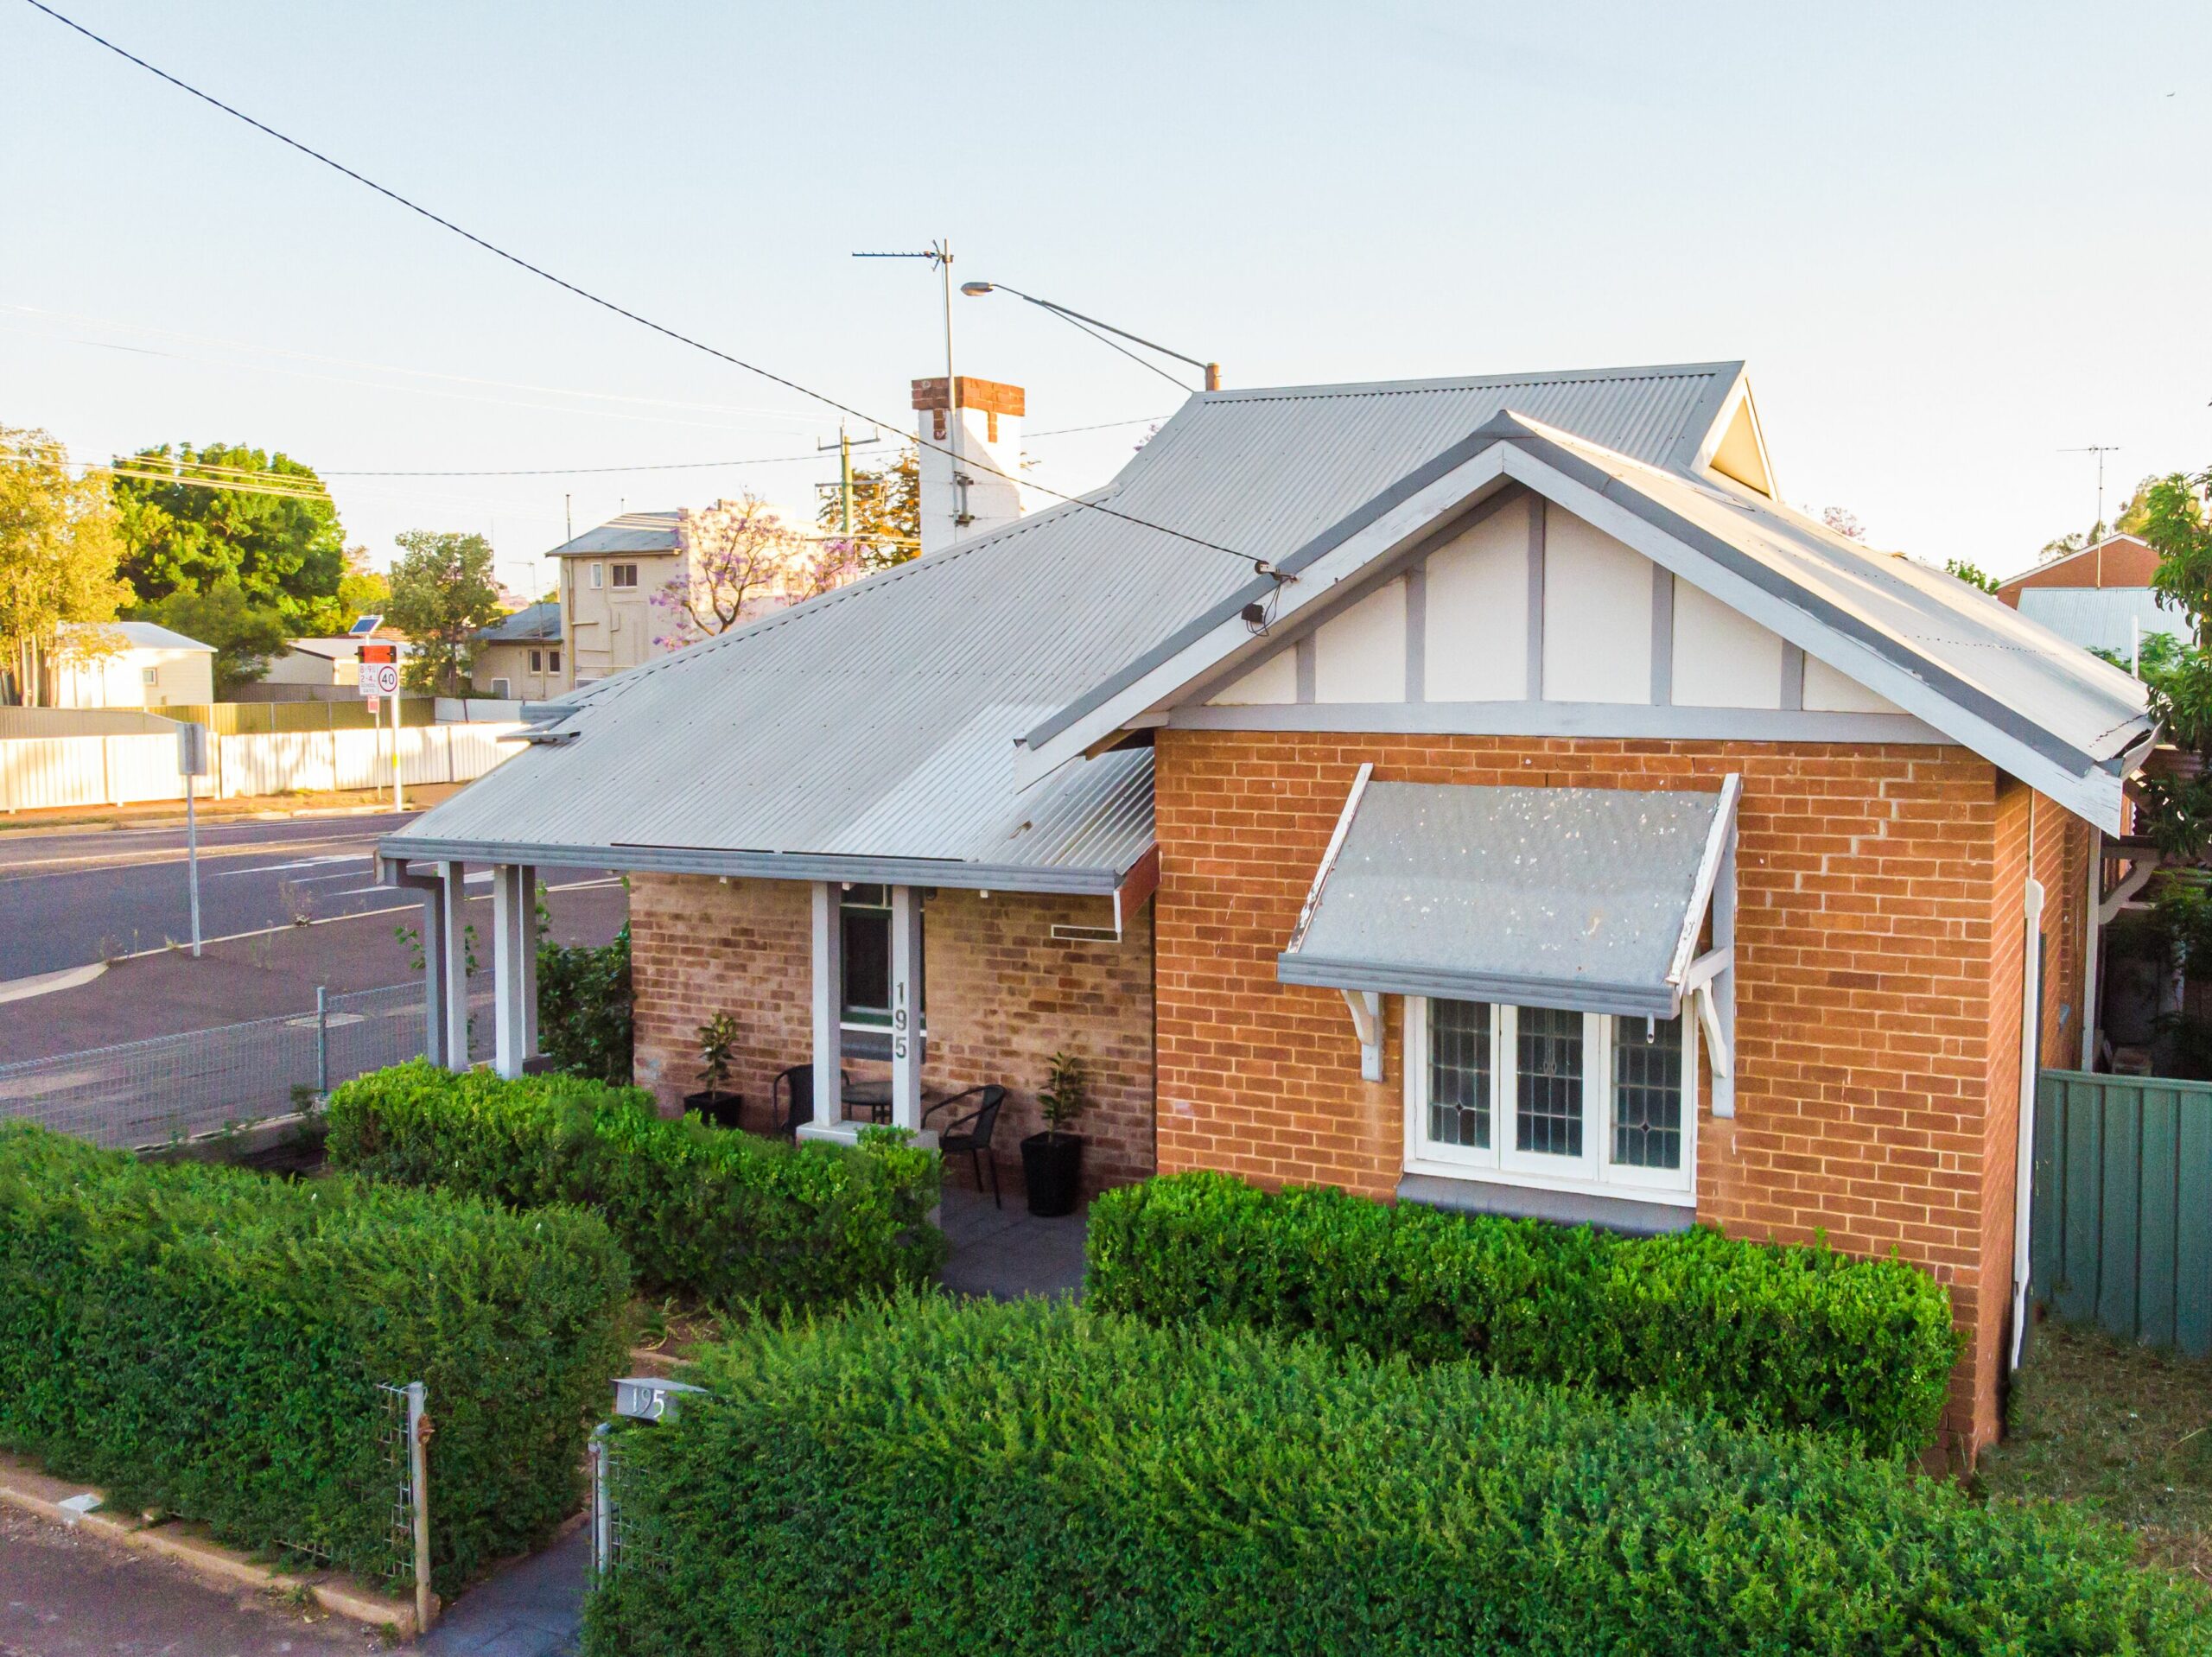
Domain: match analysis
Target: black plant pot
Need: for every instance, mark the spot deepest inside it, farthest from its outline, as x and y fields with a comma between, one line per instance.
x=721, y=1108
x=1051, y=1166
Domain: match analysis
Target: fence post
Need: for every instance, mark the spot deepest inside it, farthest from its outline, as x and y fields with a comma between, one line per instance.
x=323, y=1041
x=418, y=1485
x=602, y=1525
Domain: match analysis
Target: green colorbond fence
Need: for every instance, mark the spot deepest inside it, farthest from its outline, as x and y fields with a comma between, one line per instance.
x=2121, y=1232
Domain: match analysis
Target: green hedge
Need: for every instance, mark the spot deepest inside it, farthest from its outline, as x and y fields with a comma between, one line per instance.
x=210, y=1340
x=937, y=1477
x=731, y=1217
x=1767, y=1334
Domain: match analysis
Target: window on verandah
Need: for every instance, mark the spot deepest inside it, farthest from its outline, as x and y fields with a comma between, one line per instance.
x=866, y=918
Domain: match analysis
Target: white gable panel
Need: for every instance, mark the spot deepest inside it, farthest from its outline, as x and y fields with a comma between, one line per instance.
x=1722, y=658
x=1596, y=614
x=1827, y=691
x=1273, y=682
x=1475, y=646
x=1360, y=656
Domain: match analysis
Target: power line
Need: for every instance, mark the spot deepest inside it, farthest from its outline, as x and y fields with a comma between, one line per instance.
x=1261, y=565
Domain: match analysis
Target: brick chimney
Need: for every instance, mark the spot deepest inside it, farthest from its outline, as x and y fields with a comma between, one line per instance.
x=982, y=493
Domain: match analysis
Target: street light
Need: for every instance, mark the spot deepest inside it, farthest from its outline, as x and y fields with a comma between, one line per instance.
x=1212, y=370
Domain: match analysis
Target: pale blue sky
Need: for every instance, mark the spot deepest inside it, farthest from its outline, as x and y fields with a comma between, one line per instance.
x=1950, y=241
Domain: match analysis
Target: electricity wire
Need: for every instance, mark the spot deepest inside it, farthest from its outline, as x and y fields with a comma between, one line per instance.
x=1260, y=565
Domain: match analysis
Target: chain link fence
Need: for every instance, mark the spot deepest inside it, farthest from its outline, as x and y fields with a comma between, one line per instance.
x=172, y=1087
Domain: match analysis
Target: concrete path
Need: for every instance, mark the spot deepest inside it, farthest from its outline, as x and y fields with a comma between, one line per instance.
x=532, y=1609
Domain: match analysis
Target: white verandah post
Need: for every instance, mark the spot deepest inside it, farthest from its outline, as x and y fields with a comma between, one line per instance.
x=906, y=1009
x=452, y=978
x=829, y=1002
x=514, y=967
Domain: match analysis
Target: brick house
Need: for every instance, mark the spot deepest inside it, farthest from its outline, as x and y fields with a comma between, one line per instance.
x=1481, y=792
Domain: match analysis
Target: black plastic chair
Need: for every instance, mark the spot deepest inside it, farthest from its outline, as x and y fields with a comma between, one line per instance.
x=972, y=1131
x=796, y=1086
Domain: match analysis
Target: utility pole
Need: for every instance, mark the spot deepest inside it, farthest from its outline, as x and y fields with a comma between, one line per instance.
x=569, y=516
x=845, y=492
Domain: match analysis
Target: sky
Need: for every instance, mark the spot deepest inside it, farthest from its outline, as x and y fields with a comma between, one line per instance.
x=1953, y=243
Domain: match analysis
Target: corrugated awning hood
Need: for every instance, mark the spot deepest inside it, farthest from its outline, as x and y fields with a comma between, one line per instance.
x=1537, y=897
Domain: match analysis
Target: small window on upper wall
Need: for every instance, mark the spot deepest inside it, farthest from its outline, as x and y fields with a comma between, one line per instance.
x=537, y=662
x=626, y=574
x=149, y=675
x=553, y=662
x=598, y=574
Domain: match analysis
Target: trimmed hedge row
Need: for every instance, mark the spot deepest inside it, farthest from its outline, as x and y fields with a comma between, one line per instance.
x=1041, y=1478
x=1767, y=1334
x=729, y=1217
x=210, y=1340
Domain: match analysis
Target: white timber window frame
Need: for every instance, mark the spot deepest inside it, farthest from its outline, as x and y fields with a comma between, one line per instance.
x=1596, y=1169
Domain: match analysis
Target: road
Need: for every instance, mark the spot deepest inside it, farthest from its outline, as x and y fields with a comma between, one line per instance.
x=69, y=900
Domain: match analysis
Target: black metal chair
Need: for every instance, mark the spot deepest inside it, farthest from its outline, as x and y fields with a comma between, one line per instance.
x=972, y=1131
x=796, y=1088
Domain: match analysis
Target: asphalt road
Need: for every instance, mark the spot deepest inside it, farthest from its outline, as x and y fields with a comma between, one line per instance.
x=70, y=899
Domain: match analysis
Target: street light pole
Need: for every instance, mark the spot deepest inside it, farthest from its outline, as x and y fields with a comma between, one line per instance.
x=1211, y=371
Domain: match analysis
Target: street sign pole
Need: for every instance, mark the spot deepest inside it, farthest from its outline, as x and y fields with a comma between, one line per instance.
x=192, y=763
x=379, y=678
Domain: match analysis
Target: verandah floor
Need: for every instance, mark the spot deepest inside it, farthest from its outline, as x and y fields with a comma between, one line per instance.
x=1007, y=1252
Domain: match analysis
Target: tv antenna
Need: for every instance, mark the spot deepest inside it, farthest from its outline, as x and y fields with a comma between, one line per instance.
x=2099, y=450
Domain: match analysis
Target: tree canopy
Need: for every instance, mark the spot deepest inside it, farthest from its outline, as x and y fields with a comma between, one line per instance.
x=58, y=553
x=245, y=635
x=741, y=560
x=196, y=518
x=886, y=512
x=442, y=594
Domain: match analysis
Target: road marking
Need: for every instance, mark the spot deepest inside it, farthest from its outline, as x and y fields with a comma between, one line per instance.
x=323, y=861
x=38, y=868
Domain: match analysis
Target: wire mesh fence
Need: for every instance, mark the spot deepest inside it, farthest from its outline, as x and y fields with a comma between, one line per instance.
x=172, y=1087
x=396, y=1463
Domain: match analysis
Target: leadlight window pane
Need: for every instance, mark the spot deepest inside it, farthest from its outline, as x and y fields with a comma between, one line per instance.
x=1648, y=1093
x=1548, y=1119
x=1459, y=1073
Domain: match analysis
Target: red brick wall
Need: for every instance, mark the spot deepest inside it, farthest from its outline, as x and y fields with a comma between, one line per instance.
x=1004, y=994
x=1870, y=1038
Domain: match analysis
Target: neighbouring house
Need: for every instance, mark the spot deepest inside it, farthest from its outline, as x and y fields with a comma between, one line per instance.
x=608, y=576
x=319, y=669
x=1481, y=792
x=521, y=656
x=155, y=668
x=2099, y=597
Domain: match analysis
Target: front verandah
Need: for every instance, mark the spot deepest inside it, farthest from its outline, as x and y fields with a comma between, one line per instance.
x=1013, y=976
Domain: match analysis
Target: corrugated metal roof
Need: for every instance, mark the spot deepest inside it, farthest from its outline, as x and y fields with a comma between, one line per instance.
x=530, y=624
x=1975, y=651
x=143, y=635
x=632, y=532
x=2101, y=618
x=883, y=716
x=1539, y=897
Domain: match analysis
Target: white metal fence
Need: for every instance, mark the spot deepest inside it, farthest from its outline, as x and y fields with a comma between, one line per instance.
x=39, y=772
x=172, y=1087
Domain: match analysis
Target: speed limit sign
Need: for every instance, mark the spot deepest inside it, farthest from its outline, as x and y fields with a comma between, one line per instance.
x=379, y=678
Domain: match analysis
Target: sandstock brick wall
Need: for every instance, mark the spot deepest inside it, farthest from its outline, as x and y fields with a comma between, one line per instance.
x=1876, y=1057
x=1003, y=995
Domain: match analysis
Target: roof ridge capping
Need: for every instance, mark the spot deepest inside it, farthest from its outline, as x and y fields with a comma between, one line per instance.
x=1727, y=369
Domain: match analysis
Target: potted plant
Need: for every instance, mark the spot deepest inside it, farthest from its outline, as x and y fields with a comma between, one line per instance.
x=1051, y=1162
x=717, y=1046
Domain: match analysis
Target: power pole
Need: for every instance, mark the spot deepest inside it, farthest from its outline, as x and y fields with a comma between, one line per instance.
x=845, y=447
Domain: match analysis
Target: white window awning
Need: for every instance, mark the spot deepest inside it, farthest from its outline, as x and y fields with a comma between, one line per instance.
x=1585, y=898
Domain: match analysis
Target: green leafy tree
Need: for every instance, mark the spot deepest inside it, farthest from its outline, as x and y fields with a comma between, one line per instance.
x=886, y=512
x=1971, y=574
x=57, y=554
x=442, y=594
x=246, y=636
x=362, y=590
x=193, y=519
